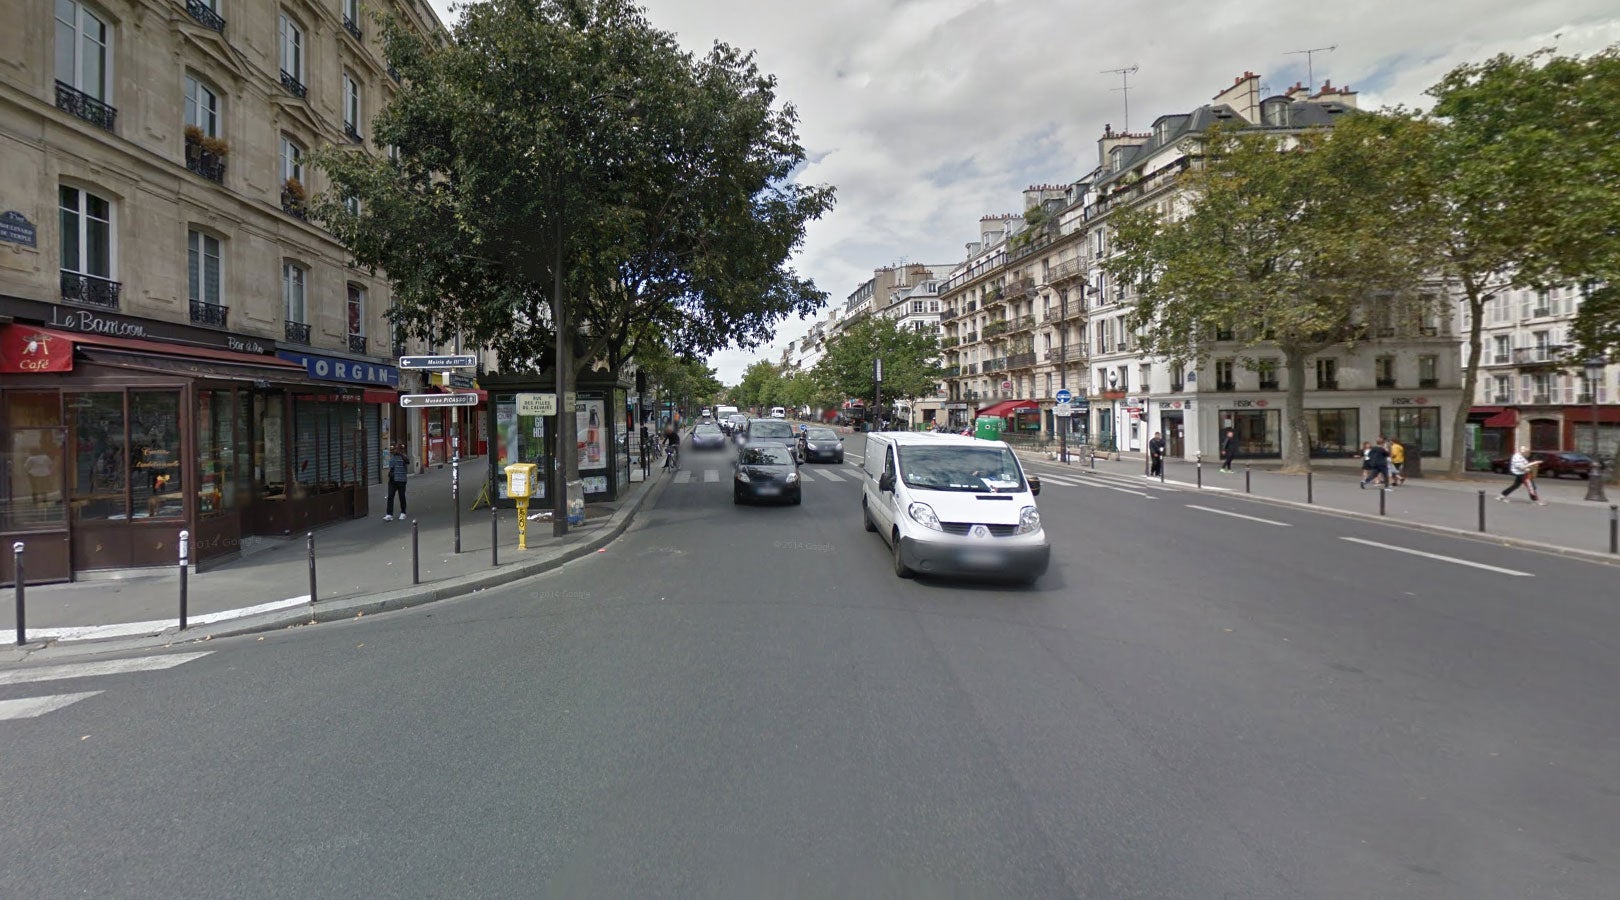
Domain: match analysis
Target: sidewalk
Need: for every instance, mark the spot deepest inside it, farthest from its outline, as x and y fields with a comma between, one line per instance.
x=366, y=559
x=1567, y=522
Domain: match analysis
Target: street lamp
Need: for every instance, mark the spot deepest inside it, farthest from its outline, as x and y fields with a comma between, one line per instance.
x=1595, y=476
x=1113, y=408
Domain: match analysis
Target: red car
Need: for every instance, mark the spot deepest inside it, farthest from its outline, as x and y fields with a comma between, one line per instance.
x=1556, y=463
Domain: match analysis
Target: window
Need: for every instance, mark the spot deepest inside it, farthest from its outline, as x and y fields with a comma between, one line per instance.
x=292, y=48
x=1267, y=370
x=352, y=204
x=87, y=235
x=1503, y=392
x=1384, y=367
x=83, y=54
x=1428, y=371
x=292, y=160
x=1224, y=375
x=1327, y=374
x=351, y=11
x=1333, y=432
x=203, y=269
x=1502, y=349
x=918, y=306
x=1542, y=346
x=1540, y=388
x=202, y=107
x=292, y=291
x=351, y=107
x=1416, y=428
x=129, y=467
x=1258, y=431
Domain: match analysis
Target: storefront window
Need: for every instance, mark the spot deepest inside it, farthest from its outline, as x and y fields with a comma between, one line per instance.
x=1415, y=427
x=1258, y=431
x=157, y=485
x=216, y=453
x=1333, y=432
x=518, y=439
x=326, y=445
x=100, y=465
x=33, y=498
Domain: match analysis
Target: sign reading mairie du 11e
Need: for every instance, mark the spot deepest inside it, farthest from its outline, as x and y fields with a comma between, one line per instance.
x=452, y=361
x=347, y=371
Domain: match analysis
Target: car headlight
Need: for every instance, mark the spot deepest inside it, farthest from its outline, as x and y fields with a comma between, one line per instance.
x=923, y=515
x=792, y=477
x=742, y=476
x=1029, y=519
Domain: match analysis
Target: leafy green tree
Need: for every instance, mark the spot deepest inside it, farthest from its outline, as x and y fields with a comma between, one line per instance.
x=573, y=135
x=911, y=366
x=757, y=385
x=1292, y=244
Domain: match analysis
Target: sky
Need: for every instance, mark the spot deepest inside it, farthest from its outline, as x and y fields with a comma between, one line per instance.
x=927, y=114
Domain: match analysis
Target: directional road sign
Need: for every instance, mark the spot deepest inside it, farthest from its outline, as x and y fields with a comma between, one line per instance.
x=1063, y=396
x=458, y=361
x=410, y=400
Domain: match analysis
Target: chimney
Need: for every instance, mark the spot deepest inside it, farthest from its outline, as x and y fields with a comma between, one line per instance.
x=1243, y=96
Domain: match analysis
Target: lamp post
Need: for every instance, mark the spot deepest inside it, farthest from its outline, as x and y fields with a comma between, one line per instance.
x=1063, y=372
x=1113, y=409
x=1594, y=478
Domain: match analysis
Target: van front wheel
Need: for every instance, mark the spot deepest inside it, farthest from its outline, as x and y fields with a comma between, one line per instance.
x=900, y=567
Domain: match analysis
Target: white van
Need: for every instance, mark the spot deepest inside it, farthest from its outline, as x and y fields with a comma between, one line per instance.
x=948, y=504
x=778, y=412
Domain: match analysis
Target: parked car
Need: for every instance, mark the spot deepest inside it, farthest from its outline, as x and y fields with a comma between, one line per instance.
x=1556, y=463
x=766, y=472
x=820, y=444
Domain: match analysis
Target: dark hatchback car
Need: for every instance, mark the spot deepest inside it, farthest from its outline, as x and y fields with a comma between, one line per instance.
x=708, y=436
x=773, y=431
x=1554, y=463
x=765, y=472
x=821, y=445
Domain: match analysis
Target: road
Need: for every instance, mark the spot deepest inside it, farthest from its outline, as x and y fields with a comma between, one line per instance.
x=1204, y=698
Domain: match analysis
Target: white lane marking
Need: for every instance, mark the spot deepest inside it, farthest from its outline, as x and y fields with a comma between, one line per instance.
x=829, y=475
x=103, y=667
x=1222, y=512
x=683, y=476
x=34, y=707
x=856, y=458
x=1449, y=559
x=710, y=476
x=1053, y=479
x=157, y=626
x=1127, y=491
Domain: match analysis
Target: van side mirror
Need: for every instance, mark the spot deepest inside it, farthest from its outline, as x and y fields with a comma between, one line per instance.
x=1034, y=485
x=886, y=482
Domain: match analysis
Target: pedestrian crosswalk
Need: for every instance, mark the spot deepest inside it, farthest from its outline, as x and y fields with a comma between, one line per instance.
x=36, y=706
x=806, y=474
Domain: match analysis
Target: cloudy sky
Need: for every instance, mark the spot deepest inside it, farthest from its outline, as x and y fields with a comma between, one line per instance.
x=927, y=114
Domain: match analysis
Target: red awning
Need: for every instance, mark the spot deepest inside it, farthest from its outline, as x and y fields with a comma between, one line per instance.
x=1507, y=418
x=41, y=337
x=1006, y=407
x=379, y=396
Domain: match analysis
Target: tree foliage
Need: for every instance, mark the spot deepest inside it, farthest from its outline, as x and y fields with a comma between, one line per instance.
x=911, y=366
x=759, y=384
x=1291, y=244
x=666, y=180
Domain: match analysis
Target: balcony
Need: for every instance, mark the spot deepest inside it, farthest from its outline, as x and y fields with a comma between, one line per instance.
x=1428, y=384
x=1225, y=334
x=1021, y=360
x=1322, y=385
x=950, y=372
x=294, y=205
x=1385, y=384
x=71, y=99
x=1540, y=312
x=353, y=135
x=294, y=86
x=357, y=343
x=1270, y=384
x=1546, y=355
x=1584, y=398
x=1072, y=354
x=1502, y=398
x=1540, y=399
x=351, y=28
x=90, y=290
x=1177, y=387
x=394, y=74
x=998, y=364
x=1225, y=386
x=947, y=316
x=948, y=342
x=1066, y=271
x=1121, y=347
x=972, y=369
x=1021, y=323
x=297, y=332
x=994, y=328
x=202, y=162
x=211, y=314
x=399, y=349
x=205, y=16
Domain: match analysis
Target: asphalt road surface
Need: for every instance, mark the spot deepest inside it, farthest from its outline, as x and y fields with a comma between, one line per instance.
x=1204, y=698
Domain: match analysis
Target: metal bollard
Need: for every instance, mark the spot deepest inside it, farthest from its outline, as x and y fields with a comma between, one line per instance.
x=1093, y=455
x=1482, y=511
x=1383, y=496
x=494, y=537
x=416, y=556
x=309, y=539
x=1161, y=471
x=1614, y=533
x=1248, y=486
x=1198, y=468
x=185, y=559
x=455, y=494
x=1310, y=488
x=22, y=604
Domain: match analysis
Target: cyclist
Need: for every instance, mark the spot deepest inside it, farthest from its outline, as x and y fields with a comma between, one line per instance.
x=672, y=446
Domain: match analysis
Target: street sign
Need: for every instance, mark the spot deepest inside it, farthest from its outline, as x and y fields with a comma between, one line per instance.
x=536, y=404
x=458, y=361
x=1063, y=396
x=1061, y=410
x=412, y=400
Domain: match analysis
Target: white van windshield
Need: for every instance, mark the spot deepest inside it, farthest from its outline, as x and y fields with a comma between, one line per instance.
x=958, y=468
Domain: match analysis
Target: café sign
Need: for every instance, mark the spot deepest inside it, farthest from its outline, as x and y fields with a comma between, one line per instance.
x=94, y=321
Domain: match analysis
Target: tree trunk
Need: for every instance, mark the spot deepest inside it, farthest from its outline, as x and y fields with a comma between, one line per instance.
x=1459, y=422
x=1296, y=440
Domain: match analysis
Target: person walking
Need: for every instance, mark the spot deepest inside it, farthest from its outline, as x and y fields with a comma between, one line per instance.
x=399, y=466
x=1156, y=456
x=1523, y=473
x=1375, y=465
x=1229, y=445
x=1397, y=460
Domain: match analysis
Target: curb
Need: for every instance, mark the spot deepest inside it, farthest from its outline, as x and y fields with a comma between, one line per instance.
x=1592, y=556
x=352, y=607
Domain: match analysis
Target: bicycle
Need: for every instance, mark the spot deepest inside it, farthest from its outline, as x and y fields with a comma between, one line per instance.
x=672, y=455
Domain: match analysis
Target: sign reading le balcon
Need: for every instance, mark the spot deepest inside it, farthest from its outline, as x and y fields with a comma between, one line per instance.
x=410, y=400
x=457, y=361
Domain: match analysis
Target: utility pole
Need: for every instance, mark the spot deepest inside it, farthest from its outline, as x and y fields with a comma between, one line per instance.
x=1310, y=62
x=563, y=441
x=1124, y=88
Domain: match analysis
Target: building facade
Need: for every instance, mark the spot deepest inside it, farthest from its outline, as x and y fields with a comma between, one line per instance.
x=185, y=348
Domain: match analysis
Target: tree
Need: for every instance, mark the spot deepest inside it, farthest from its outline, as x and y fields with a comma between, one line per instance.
x=757, y=385
x=573, y=135
x=1523, y=180
x=911, y=365
x=1292, y=244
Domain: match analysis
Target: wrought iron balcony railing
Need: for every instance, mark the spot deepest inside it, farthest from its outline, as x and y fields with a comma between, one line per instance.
x=294, y=205
x=204, y=15
x=71, y=99
x=209, y=165
x=293, y=85
x=297, y=332
x=357, y=343
x=1384, y=383
x=90, y=290
x=209, y=313
x=1021, y=360
x=351, y=28
x=353, y=135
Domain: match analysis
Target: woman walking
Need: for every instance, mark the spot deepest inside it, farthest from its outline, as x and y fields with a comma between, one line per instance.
x=1524, y=472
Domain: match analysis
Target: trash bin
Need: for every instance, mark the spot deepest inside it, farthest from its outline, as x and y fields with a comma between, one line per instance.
x=987, y=428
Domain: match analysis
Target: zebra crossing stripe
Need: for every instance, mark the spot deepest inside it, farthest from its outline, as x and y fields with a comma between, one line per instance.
x=829, y=474
x=711, y=476
x=683, y=476
x=34, y=707
x=104, y=667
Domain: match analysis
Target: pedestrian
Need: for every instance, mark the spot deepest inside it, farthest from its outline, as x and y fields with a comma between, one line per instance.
x=1397, y=462
x=1524, y=472
x=1229, y=445
x=399, y=466
x=1156, y=455
x=1375, y=465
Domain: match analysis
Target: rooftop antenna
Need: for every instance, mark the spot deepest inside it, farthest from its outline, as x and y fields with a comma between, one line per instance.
x=1310, y=62
x=1124, y=88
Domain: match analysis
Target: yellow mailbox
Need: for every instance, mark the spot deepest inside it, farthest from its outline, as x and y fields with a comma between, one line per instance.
x=520, y=478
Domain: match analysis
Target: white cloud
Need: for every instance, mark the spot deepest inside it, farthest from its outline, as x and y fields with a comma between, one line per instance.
x=927, y=114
